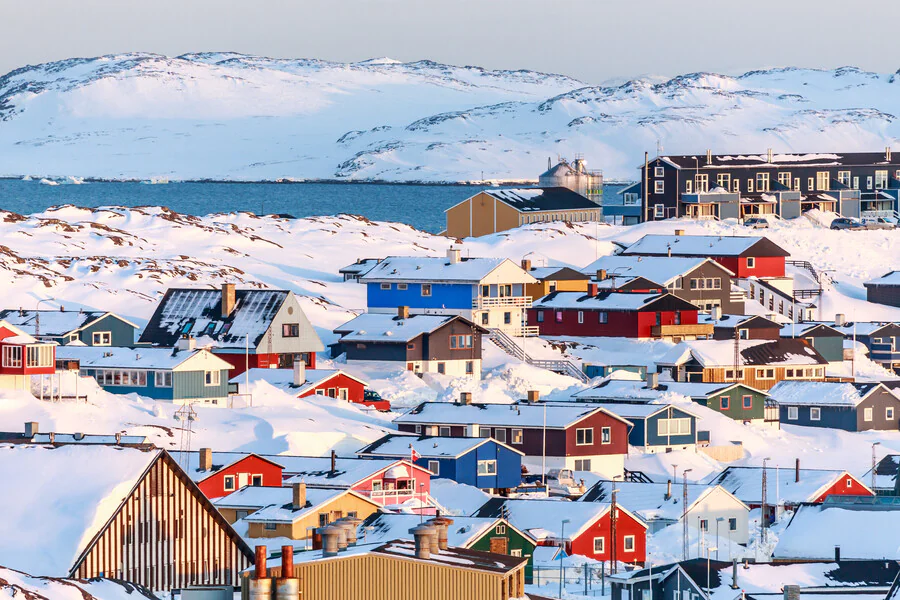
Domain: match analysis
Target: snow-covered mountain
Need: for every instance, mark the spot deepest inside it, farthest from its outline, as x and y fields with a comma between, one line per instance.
x=232, y=116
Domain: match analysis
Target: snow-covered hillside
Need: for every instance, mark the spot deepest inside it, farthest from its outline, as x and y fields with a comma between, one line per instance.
x=232, y=116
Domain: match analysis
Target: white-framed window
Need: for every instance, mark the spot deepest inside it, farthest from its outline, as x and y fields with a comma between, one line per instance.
x=256, y=480
x=435, y=467
x=385, y=286
x=811, y=183
x=889, y=413
x=162, y=379
x=269, y=526
x=101, y=338
x=12, y=356
x=419, y=429
x=580, y=317
x=500, y=434
x=688, y=186
x=603, y=317
x=869, y=182
x=665, y=427
x=487, y=467
x=659, y=172
x=659, y=211
x=445, y=431
x=517, y=552
x=793, y=413
x=320, y=392
x=228, y=481
x=39, y=356
x=631, y=199
x=736, y=186
x=704, y=525
x=856, y=183
x=815, y=413
x=881, y=180
x=629, y=543
x=605, y=435
x=582, y=464
x=659, y=186
x=517, y=437
x=402, y=286
x=744, y=334
x=584, y=437
x=867, y=414
x=844, y=177
x=500, y=529
x=290, y=330
x=426, y=289
x=796, y=184
x=765, y=373
x=732, y=524
x=599, y=545
x=723, y=180
x=785, y=179
x=762, y=182
x=750, y=186
x=729, y=374
x=823, y=180
x=212, y=377
x=751, y=262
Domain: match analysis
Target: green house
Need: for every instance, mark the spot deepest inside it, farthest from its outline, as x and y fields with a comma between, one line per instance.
x=734, y=400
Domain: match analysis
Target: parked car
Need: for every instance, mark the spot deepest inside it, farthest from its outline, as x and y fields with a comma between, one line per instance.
x=878, y=223
x=757, y=223
x=847, y=223
x=561, y=482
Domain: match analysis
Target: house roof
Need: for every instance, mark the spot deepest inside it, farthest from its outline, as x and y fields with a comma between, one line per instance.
x=361, y=266
x=380, y=527
x=660, y=269
x=632, y=411
x=439, y=268
x=55, y=323
x=804, y=329
x=779, y=160
x=823, y=393
x=735, y=321
x=513, y=415
x=704, y=246
x=283, y=379
x=146, y=357
x=862, y=328
x=815, y=530
x=886, y=472
x=530, y=200
x=720, y=353
x=252, y=497
x=391, y=329
x=889, y=279
x=557, y=274
x=190, y=462
x=746, y=483
x=281, y=509
x=628, y=390
x=455, y=557
x=57, y=499
x=649, y=500
x=398, y=445
x=610, y=300
x=317, y=472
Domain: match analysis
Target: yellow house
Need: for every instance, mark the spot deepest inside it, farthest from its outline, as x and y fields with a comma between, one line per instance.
x=496, y=210
x=305, y=511
x=554, y=279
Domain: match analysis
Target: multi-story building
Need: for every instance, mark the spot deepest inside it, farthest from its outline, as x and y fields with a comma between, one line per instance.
x=89, y=327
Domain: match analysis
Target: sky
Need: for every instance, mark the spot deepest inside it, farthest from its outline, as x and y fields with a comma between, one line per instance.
x=595, y=41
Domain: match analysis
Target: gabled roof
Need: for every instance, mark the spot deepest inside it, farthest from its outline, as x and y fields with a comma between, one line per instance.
x=398, y=445
x=740, y=321
x=720, y=353
x=440, y=268
x=815, y=530
x=746, y=483
x=282, y=511
x=361, y=266
x=633, y=411
x=380, y=527
x=56, y=323
x=391, y=329
x=704, y=246
x=629, y=390
x=255, y=497
x=824, y=393
x=649, y=500
x=513, y=415
x=283, y=379
x=10, y=334
x=316, y=472
x=779, y=160
x=863, y=328
x=529, y=200
x=890, y=279
x=612, y=301
x=112, y=357
x=808, y=329
x=557, y=274
x=660, y=269
x=190, y=462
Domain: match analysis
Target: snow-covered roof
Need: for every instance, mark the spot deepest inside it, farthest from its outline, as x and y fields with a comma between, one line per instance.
x=892, y=279
x=648, y=500
x=283, y=379
x=746, y=483
x=55, y=500
x=255, y=497
x=281, y=511
x=55, y=323
x=512, y=415
x=720, y=353
x=360, y=266
x=389, y=328
x=861, y=328
x=659, y=269
x=113, y=357
x=821, y=393
x=542, y=199
x=701, y=245
x=637, y=411
x=380, y=528
x=613, y=301
x=557, y=273
x=398, y=445
x=439, y=268
x=628, y=390
x=862, y=533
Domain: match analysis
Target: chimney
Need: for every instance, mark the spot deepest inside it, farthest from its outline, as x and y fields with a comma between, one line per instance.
x=330, y=535
x=353, y=523
x=769, y=155
x=31, y=429
x=228, y=299
x=839, y=320
x=453, y=255
x=533, y=396
x=403, y=312
x=653, y=381
x=797, y=471
x=333, y=461
x=422, y=535
x=261, y=571
x=118, y=438
x=708, y=156
x=442, y=524
x=52, y=437
x=299, y=372
x=668, y=490
x=668, y=252
x=206, y=459
x=679, y=232
x=526, y=264
x=792, y=592
x=287, y=562
x=184, y=343
x=592, y=289
x=601, y=274
x=716, y=313
x=343, y=534
x=299, y=498
x=465, y=398
x=887, y=154
x=837, y=554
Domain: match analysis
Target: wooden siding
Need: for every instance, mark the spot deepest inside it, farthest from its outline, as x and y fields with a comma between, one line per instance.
x=165, y=535
x=883, y=294
x=717, y=375
x=121, y=333
x=298, y=530
x=187, y=385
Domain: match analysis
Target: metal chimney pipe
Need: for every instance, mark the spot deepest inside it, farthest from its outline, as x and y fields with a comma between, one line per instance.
x=287, y=561
x=668, y=489
x=421, y=534
x=442, y=524
x=734, y=575
x=261, y=572
x=259, y=586
x=287, y=587
x=797, y=471
x=333, y=461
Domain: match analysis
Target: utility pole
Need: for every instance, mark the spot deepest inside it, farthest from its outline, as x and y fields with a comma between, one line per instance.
x=763, y=519
x=612, y=529
x=873, y=464
x=684, y=517
x=646, y=186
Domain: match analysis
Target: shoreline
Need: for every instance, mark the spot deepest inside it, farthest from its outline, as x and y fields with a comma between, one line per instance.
x=287, y=181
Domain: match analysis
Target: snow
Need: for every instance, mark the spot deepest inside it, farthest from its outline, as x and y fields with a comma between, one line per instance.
x=658, y=269
x=746, y=484
x=615, y=301
x=283, y=379
x=280, y=511
x=519, y=415
x=647, y=500
x=892, y=278
x=382, y=528
x=693, y=245
x=381, y=327
x=15, y=584
x=429, y=447
x=436, y=269
x=135, y=358
x=531, y=516
x=817, y=393
x=815, y=530
x=459, y=498
x=719, y=353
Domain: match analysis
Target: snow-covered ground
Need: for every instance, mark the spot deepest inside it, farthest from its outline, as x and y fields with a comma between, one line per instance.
x=146, y=116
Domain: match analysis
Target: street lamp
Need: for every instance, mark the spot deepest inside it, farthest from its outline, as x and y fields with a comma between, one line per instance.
x=873, y=464
x=684, y=517
x=612, y=274
x=708, y=550
x=719, y=520
x=562, y=541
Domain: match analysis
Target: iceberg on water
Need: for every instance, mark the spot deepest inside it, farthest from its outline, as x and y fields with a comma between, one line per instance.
x=27, y=178
x=72, y=180
x=46, y=181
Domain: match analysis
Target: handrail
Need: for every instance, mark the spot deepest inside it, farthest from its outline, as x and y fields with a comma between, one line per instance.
x=511, y=347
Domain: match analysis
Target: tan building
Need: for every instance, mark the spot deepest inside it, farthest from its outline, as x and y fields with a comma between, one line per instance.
x=554, y=279
x=496, y=210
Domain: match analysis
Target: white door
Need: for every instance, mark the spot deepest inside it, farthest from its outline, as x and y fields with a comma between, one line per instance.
x=242, y=480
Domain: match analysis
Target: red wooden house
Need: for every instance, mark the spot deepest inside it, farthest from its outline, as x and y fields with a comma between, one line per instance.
x=588, y=531
x=617, y=314
x=218, y=474
x=745, y=256
x=22, y=356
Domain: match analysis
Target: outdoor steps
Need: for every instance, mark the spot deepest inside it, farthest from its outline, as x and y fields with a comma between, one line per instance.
x=511, y=347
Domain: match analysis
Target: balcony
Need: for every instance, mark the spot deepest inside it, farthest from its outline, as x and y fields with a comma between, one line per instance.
x=687, y=330
x=482, y=302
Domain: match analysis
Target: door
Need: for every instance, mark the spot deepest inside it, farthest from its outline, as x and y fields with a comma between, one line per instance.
x=499, y=545
x=242, y=480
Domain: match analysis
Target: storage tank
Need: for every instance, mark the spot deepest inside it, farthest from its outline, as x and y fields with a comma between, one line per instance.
x=574, y=176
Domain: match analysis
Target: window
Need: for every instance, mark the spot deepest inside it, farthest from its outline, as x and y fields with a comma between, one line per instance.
x=844, y=177
x=256, y=480
x=12, y=356
x=631, y=199
x=765, y=373
x=484, y=318
x=796, y=184
x=385, y=286
x=290, y=330
x=418, y=429
x=558, y=316
x=599, y=545
x=540, y=316
x=441, y=368
x=867, y=414
x=793, y=413
x=484, y=432
x=507, y=318
x=101, y=338
x=881, y=179
x=435, y=467
x=889, y=413
x=704, y=525
x=271, y=526
x=516, y=436
x=517, y=552
x=723, y=180
x=736, y=186
x=411, y=346
x=849, y=482
x=470, y=367
x=229, y=483
x=659, y=172
x=658, y=318
x=659, y=210
x=500, y=435
x=856, y=183
x=211, y=377
x=487, y=467
x=665, y=427
x=747, y=402
x=823, y=179
x=603, y=317
x=762, y=182
x=785, y=179
x=444, y=431
x=724, y=403
x=751, y=262
x=320, y=392
x=580, y=317
x=426, y=289
x=461, y=342
x=584, y=437
x=402, y=286
x=744, y=334
x=39, y=356
x=582, y=464
x=815, y=413
x=500, y=529
x=732, y=524
x=605, y=435
x=678, y=317
x=687, y=187
x=869, y=182
x=162, y=379
x=629, y=543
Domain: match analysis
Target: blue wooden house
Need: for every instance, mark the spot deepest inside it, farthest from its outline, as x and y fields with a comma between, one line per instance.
x=490, y=292
x=657, y=427
x=484, y=463
x=858, y=406
x=88, y=327
x=182, y=376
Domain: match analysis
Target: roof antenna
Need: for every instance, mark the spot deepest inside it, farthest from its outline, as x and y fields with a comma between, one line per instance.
x=549, y=165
